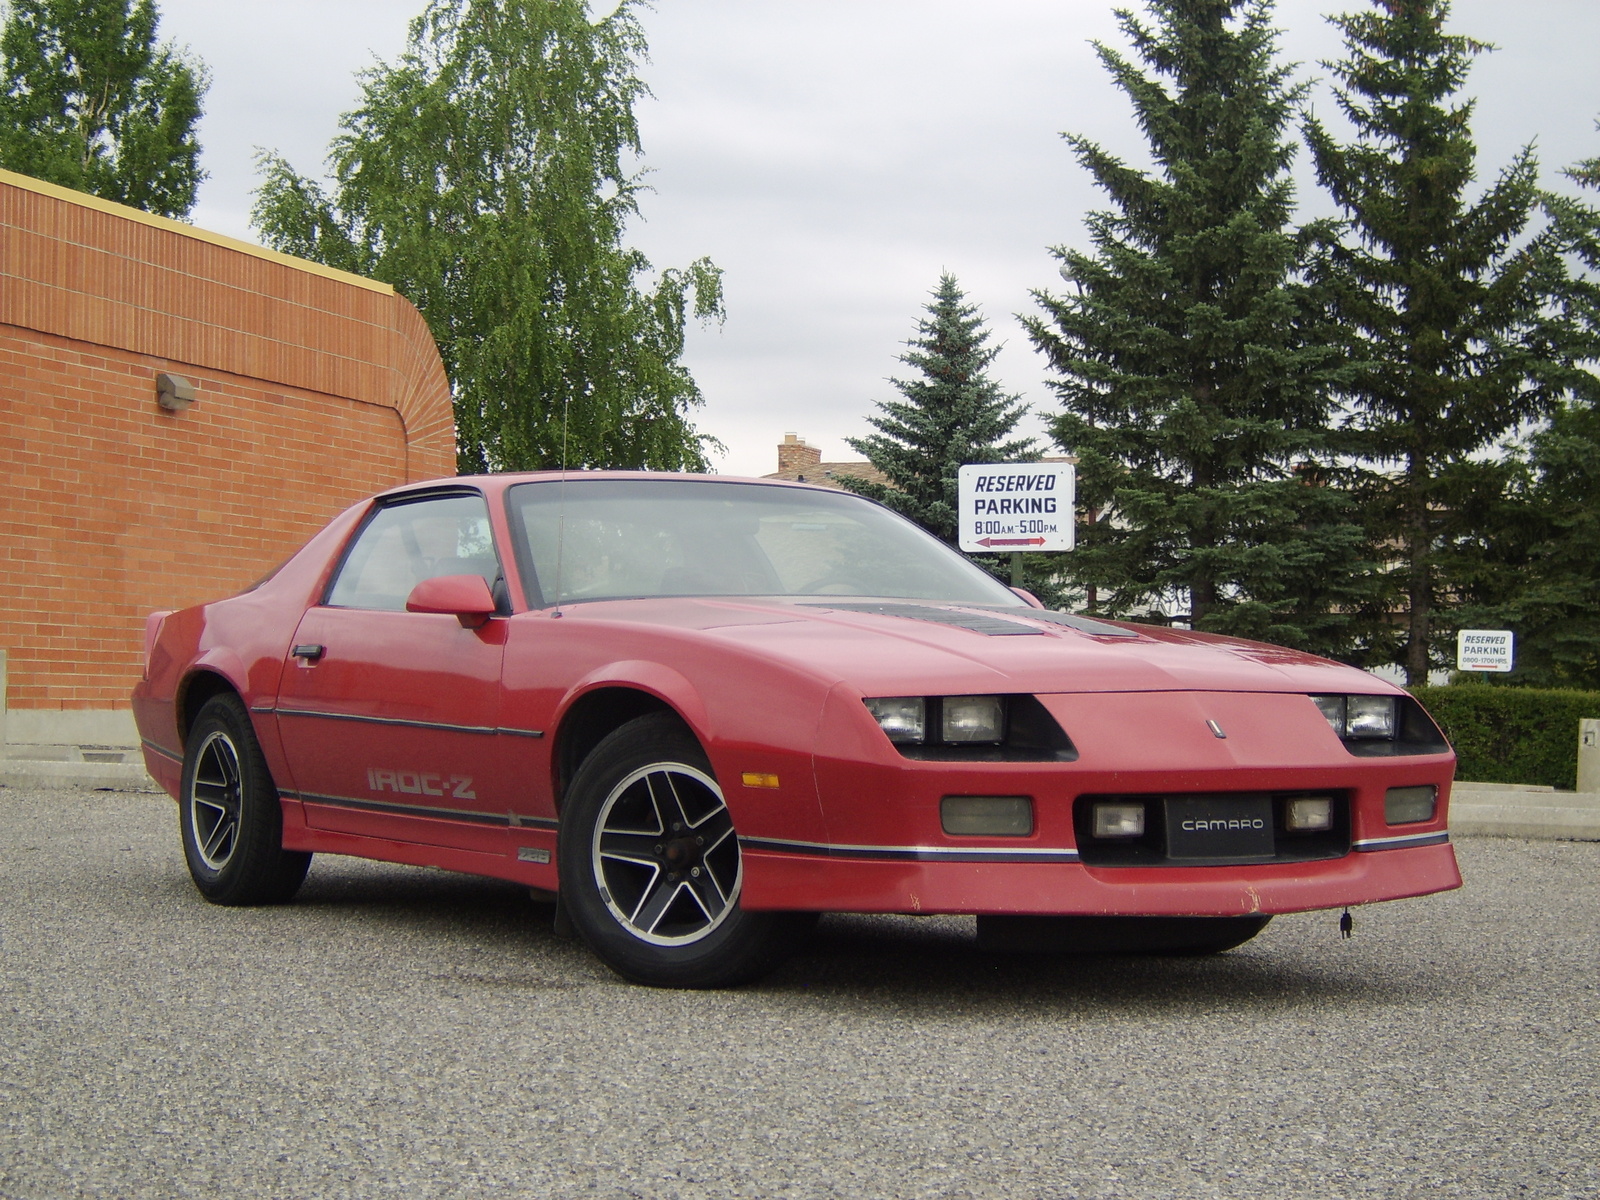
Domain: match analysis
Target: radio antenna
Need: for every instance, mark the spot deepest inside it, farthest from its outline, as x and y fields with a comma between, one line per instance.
x=561, y=503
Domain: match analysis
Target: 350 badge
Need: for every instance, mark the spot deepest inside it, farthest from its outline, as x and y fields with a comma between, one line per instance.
x=420, y=783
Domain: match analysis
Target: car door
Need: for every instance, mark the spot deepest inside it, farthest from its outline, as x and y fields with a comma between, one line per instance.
x=389, y=718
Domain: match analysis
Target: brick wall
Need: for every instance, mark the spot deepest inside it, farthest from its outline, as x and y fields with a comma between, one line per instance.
x=314, y=388
x=795, y=457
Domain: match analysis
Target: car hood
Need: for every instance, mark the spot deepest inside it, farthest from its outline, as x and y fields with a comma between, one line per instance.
x=909, y=647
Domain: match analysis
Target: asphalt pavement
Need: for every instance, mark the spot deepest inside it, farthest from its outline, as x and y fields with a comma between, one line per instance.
x=400, y=1031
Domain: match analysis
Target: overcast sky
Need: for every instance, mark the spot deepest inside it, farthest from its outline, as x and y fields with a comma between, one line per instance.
x=834, y=156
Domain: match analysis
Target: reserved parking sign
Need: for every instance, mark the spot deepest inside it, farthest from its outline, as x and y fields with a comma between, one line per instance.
x=1015, y=506
x=1484, y=649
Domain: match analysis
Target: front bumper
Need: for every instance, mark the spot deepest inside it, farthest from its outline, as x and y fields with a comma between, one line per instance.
x=849, y=879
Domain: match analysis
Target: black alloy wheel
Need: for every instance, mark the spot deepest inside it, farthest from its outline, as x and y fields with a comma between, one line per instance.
x=230, y=815
x=650, y=866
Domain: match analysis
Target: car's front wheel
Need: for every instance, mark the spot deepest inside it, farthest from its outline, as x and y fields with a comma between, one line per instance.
x=230, y=815
x=650, y=866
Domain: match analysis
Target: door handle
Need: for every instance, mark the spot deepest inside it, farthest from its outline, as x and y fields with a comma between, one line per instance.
x=312, y=652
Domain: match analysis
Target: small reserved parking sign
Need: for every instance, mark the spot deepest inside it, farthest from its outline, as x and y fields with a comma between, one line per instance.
x=1484, y=649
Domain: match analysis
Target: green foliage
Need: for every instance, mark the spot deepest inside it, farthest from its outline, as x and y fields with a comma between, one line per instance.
x=1510, y=734
x=484, y=176
x=90, y=102
x=954, y=415
x=1449, y=312
x=1542, y=547
x=1190, y=361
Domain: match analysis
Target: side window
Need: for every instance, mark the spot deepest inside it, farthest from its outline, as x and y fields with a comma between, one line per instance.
x=406, y=543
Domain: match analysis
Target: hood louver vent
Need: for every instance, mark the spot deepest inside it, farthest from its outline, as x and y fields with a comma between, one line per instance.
x=977, y=622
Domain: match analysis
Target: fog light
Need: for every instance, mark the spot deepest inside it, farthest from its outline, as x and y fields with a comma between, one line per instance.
x=903, y=718
x=1307, y=814
x=1370, y=717
x=1408, y=805
x=973, y=719
x=987, y=816
x=1118, y=820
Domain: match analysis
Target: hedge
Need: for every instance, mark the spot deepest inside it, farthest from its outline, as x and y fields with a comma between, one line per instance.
x=1511, y=734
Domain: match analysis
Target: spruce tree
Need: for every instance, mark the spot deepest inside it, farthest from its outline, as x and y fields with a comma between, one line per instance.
x=89, y=101
x=1188, y=357
x=1541, y=573
x=489, y=176
x=1448, y=309
x=952, y=415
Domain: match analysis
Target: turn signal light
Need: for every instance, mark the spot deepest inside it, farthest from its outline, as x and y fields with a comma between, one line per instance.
x=1408, y=805
x=987, y=816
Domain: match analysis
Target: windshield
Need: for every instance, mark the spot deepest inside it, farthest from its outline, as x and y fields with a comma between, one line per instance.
x=625, y=538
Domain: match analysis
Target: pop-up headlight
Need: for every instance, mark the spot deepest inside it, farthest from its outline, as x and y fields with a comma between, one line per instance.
x=1381, y=726
x=1360, y=718
x=903, y=718
x=1370, y=717
x=973, y=719
x=971, y=728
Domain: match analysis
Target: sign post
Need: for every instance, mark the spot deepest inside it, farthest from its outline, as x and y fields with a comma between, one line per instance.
x=1015, y=507
x=1484, y=649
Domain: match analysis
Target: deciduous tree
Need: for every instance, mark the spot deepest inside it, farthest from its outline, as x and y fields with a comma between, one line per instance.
x=89, y=101
x=488, y=175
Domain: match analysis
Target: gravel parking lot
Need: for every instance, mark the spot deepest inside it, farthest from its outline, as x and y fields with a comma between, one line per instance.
x=405, y=1031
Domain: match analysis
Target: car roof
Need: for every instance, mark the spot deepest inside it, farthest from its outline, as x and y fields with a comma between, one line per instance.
x=499, y=482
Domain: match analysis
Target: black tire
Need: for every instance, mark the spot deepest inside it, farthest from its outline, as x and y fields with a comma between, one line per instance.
x=1116, y=935
x=230, y=814
x=650, y=865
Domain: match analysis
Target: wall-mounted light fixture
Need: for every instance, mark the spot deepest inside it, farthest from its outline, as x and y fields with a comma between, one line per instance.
x=173, y=392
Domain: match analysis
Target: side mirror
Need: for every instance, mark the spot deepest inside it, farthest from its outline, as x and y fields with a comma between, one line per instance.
x=464, y=597
x=1029, y=597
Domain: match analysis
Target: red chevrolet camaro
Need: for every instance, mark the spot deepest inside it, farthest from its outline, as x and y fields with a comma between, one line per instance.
x=702, y=710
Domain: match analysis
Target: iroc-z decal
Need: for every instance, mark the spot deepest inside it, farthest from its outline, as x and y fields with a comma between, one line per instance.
x=420, y=783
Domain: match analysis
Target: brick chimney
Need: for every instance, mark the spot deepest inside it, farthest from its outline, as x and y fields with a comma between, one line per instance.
x=796, y=458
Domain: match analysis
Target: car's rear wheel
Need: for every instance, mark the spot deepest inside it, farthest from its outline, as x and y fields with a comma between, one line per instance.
x=651, y=870
x=230, y=815
x=1116, y=935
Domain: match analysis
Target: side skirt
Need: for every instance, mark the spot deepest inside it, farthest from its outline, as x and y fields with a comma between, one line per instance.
x=519, y=864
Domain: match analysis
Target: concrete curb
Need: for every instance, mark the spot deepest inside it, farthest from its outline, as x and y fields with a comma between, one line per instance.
x=1523, y=811
x=43, y=775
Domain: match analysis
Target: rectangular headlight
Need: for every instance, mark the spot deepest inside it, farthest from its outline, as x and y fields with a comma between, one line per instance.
x=1408, y=805
x=1332, y=707
x=973, y=719
x=1118, y=820
x=1370, y=717
x=987, y=816
x=903, y=718
x=1307, y=814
